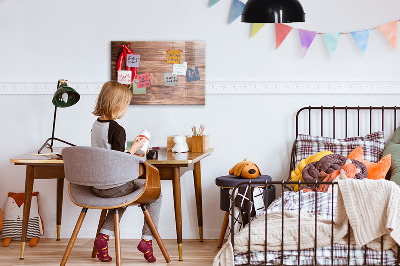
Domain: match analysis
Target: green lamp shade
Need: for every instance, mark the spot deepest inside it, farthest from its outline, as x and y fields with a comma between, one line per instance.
x=65, y=96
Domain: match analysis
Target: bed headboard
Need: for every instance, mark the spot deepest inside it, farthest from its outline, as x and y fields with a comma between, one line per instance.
x=344, y=121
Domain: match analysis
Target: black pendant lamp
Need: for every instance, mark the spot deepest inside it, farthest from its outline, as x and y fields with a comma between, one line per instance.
x=273, y=11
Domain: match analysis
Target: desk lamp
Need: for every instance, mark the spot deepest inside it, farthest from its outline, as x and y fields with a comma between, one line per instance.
x=272, y=11
x=65, y=96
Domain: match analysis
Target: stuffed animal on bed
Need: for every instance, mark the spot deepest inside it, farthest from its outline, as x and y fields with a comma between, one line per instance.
x=245, y=169
x=13, y=215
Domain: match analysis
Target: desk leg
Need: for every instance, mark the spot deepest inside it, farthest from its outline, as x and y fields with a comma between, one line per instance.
x=60, y=190
x=27, y=206
x=176, y=182
x=199, y=204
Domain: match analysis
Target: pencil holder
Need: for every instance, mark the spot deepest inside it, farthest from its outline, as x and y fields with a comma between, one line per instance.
x=200, y=143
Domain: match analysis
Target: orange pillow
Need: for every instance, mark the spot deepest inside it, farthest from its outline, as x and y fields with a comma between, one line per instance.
x=375, y=170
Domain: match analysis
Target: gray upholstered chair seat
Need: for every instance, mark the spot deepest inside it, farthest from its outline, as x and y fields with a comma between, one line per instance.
x=83, y=196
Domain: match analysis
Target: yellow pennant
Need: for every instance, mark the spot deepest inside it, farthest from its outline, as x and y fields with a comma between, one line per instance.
x=256, y=28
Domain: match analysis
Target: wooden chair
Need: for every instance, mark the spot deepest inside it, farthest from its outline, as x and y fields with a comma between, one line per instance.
x=85, y=167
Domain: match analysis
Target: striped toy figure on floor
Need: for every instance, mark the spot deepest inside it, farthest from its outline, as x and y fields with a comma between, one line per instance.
x=13, y=215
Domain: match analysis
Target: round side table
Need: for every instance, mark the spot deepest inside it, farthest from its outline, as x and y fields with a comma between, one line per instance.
x=226, y=183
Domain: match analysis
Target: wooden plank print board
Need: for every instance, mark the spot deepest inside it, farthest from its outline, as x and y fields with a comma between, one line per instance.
x=153, y=60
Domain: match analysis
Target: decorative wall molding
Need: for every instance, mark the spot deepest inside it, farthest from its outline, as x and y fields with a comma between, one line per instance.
x=233, y=87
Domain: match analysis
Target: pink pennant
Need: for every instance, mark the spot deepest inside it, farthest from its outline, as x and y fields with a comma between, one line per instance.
x=306, y=39
x=389, y=30
x=281, y=31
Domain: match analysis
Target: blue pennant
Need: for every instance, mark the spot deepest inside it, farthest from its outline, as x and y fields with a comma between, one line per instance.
x=237, y=9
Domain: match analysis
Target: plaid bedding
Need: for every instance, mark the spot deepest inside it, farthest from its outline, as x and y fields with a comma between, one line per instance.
x=372, y=145
x=323, y=207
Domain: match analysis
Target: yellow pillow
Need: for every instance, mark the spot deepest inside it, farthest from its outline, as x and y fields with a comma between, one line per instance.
x=296, y=174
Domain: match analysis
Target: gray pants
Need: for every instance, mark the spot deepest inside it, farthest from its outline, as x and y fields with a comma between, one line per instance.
x=154, y=208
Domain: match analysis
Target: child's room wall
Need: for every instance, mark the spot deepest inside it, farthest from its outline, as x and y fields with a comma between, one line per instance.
x=43, y=41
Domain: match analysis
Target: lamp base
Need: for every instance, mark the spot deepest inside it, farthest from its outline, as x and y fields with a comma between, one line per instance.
x=50, y=146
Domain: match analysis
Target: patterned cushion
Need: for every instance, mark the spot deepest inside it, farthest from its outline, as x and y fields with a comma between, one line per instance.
x=372, y=144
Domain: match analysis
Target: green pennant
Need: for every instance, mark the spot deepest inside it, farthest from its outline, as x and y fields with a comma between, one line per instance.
x=213, y=2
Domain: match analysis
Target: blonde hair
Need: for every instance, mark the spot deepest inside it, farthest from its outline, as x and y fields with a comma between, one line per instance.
x=112, y=99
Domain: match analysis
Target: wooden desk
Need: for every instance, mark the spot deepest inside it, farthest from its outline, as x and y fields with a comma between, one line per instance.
x=169, y=165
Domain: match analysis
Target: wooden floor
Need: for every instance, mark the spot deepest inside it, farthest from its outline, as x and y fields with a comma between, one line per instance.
x=50, y=252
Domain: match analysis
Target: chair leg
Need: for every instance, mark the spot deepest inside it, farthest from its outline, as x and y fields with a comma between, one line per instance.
x=101, y=222
x=154, y=230
x=73, y=237
x=117, y=239
x=223, y=229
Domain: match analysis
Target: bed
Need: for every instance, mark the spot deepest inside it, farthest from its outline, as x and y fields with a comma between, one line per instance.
x=298, y=227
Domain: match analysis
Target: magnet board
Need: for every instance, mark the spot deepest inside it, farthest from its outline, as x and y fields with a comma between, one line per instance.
x=155, y=60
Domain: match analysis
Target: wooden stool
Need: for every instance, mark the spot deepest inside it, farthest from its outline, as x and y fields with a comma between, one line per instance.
x=226, y=183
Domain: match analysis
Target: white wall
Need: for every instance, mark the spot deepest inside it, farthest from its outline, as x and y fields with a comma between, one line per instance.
x=42, y=41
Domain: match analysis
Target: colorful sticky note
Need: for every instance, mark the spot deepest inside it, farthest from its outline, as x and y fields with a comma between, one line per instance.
x=124, y=76
x=180, y=69
x=136, y=90
x=133, y=60
x=174, y=56
x=144, y=80
x=170, y=79
x=192, y=74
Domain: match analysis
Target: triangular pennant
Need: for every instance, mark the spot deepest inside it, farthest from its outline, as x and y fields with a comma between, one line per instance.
x=389, y=30
x=213, y=2
x=256, y=27
x=332, y=41
x=237, y=9
x=281, y=31
x=361, y=37
x=306, y=39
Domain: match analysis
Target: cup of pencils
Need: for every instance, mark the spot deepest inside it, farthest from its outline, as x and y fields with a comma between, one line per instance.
x=199, y=140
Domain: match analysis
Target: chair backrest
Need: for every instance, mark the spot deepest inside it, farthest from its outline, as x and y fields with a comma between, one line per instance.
x=92, y=166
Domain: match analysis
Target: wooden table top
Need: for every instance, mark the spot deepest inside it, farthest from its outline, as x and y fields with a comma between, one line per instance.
x=164, y=157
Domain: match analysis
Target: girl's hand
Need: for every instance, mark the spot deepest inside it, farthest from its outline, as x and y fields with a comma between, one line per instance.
x=143, y=155
x=137, y=144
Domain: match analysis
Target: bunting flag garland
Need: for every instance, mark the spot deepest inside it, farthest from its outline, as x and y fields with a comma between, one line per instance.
x=213, y=2
x=281, y=31
x=306, y=39
x=332, y=41
x=389, y=30
x=361, y=37
x=237, y=9
x=256, y=27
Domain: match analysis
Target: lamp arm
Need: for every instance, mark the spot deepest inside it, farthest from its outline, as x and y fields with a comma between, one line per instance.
x=54, y=126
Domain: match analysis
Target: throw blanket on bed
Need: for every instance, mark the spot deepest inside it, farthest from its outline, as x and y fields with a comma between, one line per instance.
x=373, y=208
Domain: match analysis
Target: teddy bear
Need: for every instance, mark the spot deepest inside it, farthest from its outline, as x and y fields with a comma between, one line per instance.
x=13, y=215
x=180, y=144
x=245, y=169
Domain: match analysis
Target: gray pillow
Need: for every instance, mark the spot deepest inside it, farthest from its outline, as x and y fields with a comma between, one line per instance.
x=393, y=148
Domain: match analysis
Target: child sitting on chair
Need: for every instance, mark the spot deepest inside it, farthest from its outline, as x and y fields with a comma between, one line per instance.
x=112, y=103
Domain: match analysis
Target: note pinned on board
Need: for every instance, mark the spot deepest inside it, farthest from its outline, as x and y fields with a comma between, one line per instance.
x=133, y=60
x=192, y=74
x=124, y=77
x=136, y=90
x=170, y=79
x=174, y=56
x=180, y=69
x=144, y=80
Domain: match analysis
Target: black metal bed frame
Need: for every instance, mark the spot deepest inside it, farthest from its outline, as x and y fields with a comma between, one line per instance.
x=283, y=184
